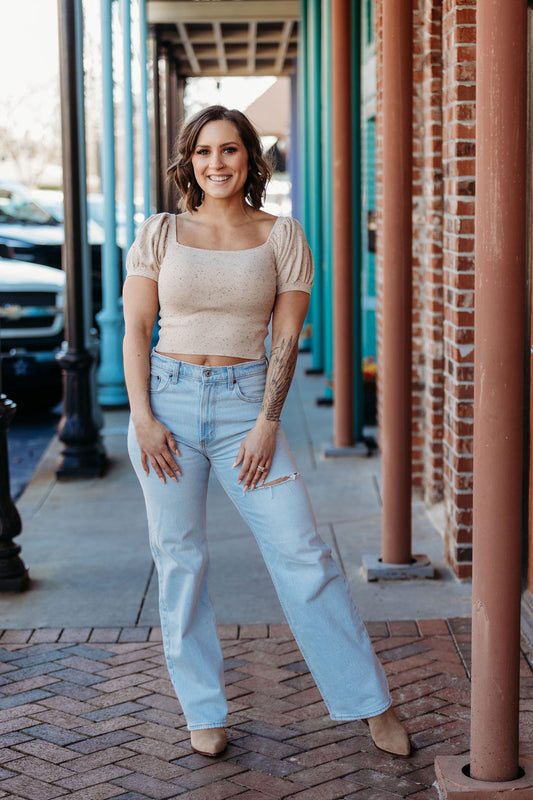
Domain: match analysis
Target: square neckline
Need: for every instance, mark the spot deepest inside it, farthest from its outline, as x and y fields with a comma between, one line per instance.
x=213, y=250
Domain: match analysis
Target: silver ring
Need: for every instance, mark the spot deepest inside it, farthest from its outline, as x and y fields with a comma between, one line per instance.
x=261, y=468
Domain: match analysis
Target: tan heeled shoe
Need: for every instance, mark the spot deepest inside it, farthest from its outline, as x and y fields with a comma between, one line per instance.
x=209, y=741
x=388, y=734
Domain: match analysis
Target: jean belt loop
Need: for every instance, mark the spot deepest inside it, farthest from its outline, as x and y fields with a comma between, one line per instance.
x=176, y=372
x=231, y=380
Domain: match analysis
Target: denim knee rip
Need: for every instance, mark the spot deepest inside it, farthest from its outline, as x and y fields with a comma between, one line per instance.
x=292, y=476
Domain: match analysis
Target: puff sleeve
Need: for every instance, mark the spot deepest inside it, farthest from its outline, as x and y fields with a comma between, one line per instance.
x=294, y=262
x=147, y=251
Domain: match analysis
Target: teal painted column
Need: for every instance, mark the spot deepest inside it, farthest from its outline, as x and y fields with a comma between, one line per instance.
x=111, y=385
x=358, y=409
x=303, y=144
x=368, y=300
x=314, y=167
x=129, y=165
x=145, y=123
x=303, y=151
x=327, y=202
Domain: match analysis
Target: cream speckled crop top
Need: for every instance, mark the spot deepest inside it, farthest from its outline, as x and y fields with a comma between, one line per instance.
x=219, y=302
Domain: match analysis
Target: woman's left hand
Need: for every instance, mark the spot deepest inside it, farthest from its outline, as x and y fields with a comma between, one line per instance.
x=256, y=450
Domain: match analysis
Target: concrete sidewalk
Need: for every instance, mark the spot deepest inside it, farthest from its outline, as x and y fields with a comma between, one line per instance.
x=86, y=547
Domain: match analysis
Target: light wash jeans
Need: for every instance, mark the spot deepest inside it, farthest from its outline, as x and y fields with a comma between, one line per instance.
x=209, y=411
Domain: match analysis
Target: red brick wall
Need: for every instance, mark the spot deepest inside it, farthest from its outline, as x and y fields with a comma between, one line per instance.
x=419, y=225
x=443, y=259
x=428, y=381
x=459, y=92
x=431, y=25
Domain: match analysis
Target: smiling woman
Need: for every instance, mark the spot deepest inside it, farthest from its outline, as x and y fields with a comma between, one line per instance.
x=223, y=165
x=208, y=398
x=239, y=135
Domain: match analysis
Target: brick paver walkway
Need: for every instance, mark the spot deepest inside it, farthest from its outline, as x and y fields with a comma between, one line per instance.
x=90, y=713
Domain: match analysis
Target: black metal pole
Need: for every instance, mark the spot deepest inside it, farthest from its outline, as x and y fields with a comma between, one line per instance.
x=157, y=121
x=171, y=89
x=83, y=454
x=13, y=573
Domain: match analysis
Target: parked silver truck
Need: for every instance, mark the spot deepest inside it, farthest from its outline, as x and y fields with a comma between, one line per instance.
x=32, y=322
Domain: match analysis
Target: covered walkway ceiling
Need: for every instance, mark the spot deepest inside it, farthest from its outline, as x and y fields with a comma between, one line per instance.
x=228, y=37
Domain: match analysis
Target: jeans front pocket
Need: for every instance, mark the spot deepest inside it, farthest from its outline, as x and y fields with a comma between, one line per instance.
x=159, y=379
x=251, y=389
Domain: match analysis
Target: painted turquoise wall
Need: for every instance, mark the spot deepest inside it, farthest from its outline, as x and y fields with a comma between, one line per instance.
x=369, y=299
x=314, y=175
x=368, y=135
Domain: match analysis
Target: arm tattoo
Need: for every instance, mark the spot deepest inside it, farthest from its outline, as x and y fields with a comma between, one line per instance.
x=279, y=376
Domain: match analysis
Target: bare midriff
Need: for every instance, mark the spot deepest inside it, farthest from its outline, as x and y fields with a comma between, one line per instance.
x=206, y=361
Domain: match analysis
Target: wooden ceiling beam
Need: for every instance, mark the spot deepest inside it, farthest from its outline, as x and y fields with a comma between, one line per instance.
x=161, y=12
x=211, y=53
x=239, y=37
x=189, y=49
x=283, y=45
x=234, y=70
x=221, y=53
x=252, y=46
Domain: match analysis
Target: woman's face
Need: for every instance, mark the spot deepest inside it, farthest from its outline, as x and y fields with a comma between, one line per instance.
x=220, y=160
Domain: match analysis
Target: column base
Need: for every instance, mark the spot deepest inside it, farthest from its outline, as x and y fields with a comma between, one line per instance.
x=453, y=784
x=15, y=585
x=81, y=461
x=112, y=396
x=356, y=449
x=373, y=569
x=14, y=576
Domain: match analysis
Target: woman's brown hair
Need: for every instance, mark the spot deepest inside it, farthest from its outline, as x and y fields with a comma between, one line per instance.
x=181, y=169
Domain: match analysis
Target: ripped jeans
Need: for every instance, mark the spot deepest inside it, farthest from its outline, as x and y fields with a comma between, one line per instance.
x=209, y=410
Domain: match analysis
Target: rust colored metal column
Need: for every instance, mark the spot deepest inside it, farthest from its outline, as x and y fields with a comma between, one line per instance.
x=529, y=261
x=341, y=64
x=395, y=367
x=498, y=385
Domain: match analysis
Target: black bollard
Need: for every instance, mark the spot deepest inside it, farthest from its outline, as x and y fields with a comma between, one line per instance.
x=13, y=572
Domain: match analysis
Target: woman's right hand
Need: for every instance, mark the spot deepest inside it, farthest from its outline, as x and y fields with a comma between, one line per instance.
x=158, y=448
